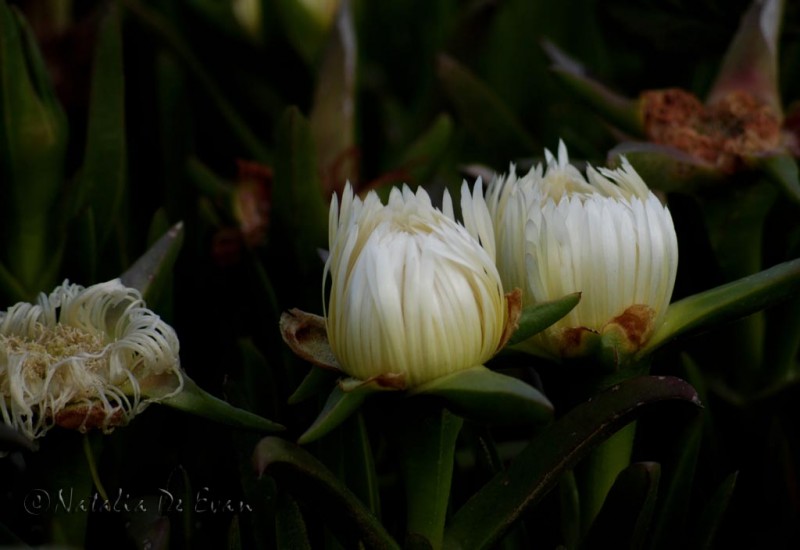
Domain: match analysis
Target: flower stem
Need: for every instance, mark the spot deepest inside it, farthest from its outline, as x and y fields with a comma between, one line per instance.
x=428, y=440
x=87, y=449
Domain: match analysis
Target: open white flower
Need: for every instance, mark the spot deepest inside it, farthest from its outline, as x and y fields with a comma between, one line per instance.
x=606, y=236
x=412, y=292
x=78, y=357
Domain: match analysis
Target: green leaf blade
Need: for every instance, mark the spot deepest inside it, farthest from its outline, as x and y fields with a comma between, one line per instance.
x=487, y=396
x=538, y=468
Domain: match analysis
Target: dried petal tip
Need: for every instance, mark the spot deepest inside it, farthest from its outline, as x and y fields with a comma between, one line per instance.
x=81, y=357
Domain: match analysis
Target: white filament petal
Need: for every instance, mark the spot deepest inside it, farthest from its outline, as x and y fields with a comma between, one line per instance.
x=81, y=346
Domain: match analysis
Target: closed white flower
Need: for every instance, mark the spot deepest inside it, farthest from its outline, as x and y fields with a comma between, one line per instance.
x=605, y=235
x=412, y=292
x=77, y=358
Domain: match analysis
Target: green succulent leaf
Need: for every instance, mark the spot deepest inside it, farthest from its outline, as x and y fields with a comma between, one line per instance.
x=316, y=381
x=150, y=272
x=488, y=396
x=12, y=440
x=628, y=510
x=621, y=111
x=487, y=118
x=782, y=169
x=345, y=399
x=33, y=142
x=332, y=117
x=727, y=302
x=195, y=400
x=538, y=317
x=103, y=175
x=713, y=512
x=538, y=467
x=671, y=516
x=318, y=489
x=666, y=168
x=298, y=203
x=290, y=528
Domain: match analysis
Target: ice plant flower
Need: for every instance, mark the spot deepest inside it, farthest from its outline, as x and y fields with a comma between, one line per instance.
x=79, y=356
x=413, y=293
x=605, y=235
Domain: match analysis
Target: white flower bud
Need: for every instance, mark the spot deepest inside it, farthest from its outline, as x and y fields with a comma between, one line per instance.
x=412, y=292
x=608, y=237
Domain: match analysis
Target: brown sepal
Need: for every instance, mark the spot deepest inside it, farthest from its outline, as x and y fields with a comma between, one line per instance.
x=514, y=307
x=307, y=335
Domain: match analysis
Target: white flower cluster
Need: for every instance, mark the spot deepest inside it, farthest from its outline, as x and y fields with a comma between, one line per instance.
x=79, y=356
x=415, y=293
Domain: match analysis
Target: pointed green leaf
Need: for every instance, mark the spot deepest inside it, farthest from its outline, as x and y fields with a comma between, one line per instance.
x=332, y=117
x=290, y=529
x=670, y=525
x=536, y=318
x=318, y=489
x=103, y=175
x=487, y=396
x=487, y=118
x=751, y=61
x=782, y=169
x=666, y=168
x=727, y=302
x=420, y=160
x=195, y=400
x=316, y=381
x=299, y=209
x=621, y=111
x=343, y=401
x=428, y=440
x=713, y=512
x=33, y=140
x=626, y=515
x=149, y=272
x=164, y=30
x=538, y=467
x=12, y=440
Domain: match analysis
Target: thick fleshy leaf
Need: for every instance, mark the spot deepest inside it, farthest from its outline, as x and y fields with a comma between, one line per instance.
x=344, y=400
x=33, y=141
x=538, y=467
x=333, y=112
x=538, y=317
x=290, y=528
x=418, y=163
x=487, y=396
x=666, y=168
x=487, y=118
x=164, y=31
x=298, y=205
x=625, y=517
x=727, y=302
x=102, y=179
x=318, y=489
x=751, y=62
x=619, y=110
x=149, y=273
x=428, y=440
x=195, y=400
x=316, y=381
x=12, y=440
x=782, y=169
x=713, y=512
x=307, y=24
x=670, y=521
